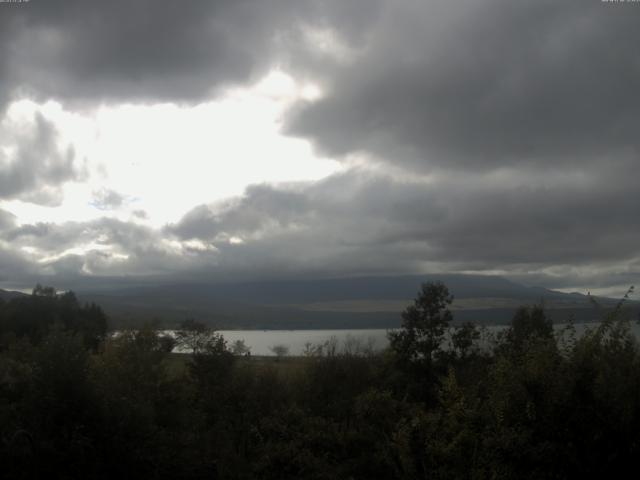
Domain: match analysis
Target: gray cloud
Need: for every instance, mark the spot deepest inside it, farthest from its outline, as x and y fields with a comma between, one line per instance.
x=522, y=115
x=14, y=268
x=468, y=84
x=7, y=220
x=141, y=214
x=250, y=214
x=362, y=222
x=36, y=167
x=479, y=85
x=106, y=199
x=154, y=50
x=572, y=233
x=52, y=237
x=102, y=247
x=146, y=50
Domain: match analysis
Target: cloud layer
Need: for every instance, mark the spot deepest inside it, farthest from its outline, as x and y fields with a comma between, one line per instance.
x=89, y=51
x=362, y=222
x=484, y=135
x=479, y=85
x=33, y=164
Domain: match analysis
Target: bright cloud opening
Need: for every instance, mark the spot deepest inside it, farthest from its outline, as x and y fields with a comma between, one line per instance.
x=164, y=159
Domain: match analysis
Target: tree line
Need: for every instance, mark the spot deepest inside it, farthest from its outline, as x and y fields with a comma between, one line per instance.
x=76, y=402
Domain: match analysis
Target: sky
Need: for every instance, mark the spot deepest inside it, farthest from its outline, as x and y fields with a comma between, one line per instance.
x=216, y=140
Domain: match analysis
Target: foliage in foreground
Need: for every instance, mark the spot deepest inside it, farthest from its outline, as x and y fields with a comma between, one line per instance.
x=529, y=403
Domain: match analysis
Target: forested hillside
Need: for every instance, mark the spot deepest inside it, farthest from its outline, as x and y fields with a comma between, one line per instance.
x=77, y=403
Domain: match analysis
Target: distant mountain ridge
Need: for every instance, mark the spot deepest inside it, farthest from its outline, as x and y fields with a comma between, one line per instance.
x=7, y=295
x=356, y=288
x=360, y=302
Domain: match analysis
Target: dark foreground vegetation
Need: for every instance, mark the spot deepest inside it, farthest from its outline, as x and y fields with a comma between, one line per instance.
x=78, y=403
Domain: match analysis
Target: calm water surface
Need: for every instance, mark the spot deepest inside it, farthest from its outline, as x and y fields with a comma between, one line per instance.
x=260, y=341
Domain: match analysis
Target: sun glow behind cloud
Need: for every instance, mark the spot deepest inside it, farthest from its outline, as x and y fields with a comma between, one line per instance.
x=164, y=159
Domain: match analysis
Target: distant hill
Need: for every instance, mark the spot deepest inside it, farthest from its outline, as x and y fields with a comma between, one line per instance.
x=362, y=302
x=7, y=295
x=388, y=287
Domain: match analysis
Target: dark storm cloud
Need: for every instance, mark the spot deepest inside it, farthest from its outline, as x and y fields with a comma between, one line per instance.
x=153, y=50
x=578, y=231
x=14, y=269
x=363, y=223
x=474, y=84
x=524, y=114
x=35, y=166
x=483, y=84
x=372, y=219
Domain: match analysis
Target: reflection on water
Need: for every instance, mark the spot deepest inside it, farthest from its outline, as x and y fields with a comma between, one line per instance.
x=297, y=341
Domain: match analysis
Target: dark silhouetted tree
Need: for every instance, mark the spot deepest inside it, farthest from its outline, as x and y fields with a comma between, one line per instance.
x=423, y=325
x=529, y=324
x=279, y=350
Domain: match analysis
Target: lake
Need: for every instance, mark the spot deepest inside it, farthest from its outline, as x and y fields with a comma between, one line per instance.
x=260, y=341
x=296, y=341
